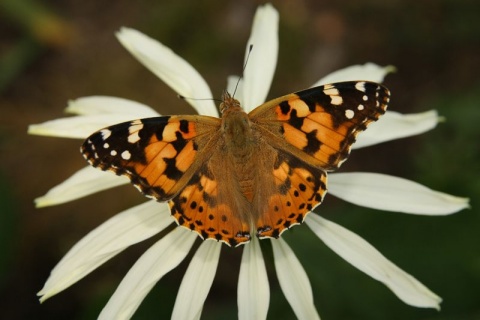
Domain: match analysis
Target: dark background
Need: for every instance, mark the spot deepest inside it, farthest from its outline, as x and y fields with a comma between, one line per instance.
x=53, y=51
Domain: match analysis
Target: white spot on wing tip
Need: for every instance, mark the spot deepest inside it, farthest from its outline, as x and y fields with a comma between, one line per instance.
x=126, y=155
x=133, y=130
x=360, y=86
x=334, y=94
x=349, y=114
x=106, y=134
x=113, y=153
x=133, y=138
x=336, y=100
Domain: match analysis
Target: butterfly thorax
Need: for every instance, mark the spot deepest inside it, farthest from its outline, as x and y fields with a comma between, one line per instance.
x=236, y=127
x=237, y=132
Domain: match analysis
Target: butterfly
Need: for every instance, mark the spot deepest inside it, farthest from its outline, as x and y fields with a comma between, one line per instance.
x=258, y=173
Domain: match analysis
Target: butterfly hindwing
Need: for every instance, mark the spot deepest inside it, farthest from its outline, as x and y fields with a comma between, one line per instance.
x=322, y=122
x=157, y=154
x=300, y=187
x=210, y=206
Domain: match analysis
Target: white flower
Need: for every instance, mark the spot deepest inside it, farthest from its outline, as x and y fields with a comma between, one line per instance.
x=145, y=220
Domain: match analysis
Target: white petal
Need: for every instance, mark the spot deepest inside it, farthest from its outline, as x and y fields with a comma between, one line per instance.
x=104, y=242
x=368, y=71
x=197, y=281
x=293, y=281
x=366, y=258
x=393, y=125
x=159, y=259
x=94, y=105
x=235, y=85
x=384, y=192
x=253, y=290
x=261, y=64
x=171, y=68
x=82, y=183
x=79, y=127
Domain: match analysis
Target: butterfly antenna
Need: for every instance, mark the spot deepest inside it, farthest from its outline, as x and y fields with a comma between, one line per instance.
x=197, y=99
x=250, y=47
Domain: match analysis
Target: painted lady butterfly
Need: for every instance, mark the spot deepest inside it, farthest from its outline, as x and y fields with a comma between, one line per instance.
x=260, y=172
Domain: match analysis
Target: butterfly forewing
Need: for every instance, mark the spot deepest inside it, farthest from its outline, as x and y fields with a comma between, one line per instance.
x=159, y=155
x=321, y=123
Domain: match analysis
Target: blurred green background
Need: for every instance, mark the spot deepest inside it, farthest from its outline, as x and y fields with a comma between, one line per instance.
x=53, y=51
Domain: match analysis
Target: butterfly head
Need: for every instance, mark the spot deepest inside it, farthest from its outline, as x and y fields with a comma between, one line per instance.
x=228, y=102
